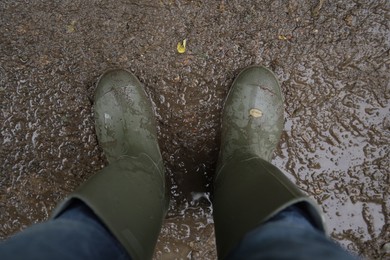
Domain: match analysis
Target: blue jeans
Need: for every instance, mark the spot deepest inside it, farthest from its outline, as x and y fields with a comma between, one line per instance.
x=288, y=235
x=75, y=234
x=78, y=234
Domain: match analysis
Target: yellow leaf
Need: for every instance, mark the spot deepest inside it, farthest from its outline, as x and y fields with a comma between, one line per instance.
x=282, y=37
x=181, y=46
x=71, y=27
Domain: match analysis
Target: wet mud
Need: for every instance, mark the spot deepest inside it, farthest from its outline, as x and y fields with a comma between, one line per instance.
x=331, y=57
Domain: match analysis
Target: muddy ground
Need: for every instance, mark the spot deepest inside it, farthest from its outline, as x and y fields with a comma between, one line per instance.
x=332, y=59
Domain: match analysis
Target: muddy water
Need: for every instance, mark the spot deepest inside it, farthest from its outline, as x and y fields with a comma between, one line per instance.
x=332, y=58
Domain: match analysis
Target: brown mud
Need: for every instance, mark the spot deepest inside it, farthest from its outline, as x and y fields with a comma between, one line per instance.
x=332, y=59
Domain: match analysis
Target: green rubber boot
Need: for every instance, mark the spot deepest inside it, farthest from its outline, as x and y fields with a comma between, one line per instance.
x=128, y=195
x=248, y=189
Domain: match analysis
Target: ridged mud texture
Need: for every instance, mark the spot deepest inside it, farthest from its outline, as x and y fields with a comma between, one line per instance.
x=332, y=60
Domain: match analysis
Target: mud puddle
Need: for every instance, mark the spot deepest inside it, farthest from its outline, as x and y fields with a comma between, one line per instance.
x=332, y=59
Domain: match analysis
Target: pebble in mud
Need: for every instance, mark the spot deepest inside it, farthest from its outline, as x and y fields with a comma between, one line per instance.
x=386, y=249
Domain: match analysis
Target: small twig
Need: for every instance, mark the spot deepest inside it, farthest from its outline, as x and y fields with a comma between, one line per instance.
x=317, y=8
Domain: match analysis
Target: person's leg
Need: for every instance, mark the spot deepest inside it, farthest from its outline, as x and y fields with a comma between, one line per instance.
x=76, y=234
x=248, y=192
x=288, y=235
x=129, y=195
x=251, y=196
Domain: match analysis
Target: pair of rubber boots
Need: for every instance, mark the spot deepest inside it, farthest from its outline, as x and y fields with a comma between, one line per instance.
x=129, y=195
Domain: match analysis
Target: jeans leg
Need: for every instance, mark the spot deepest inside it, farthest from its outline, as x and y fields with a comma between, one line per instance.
x=288, y=235
x=76, y=234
